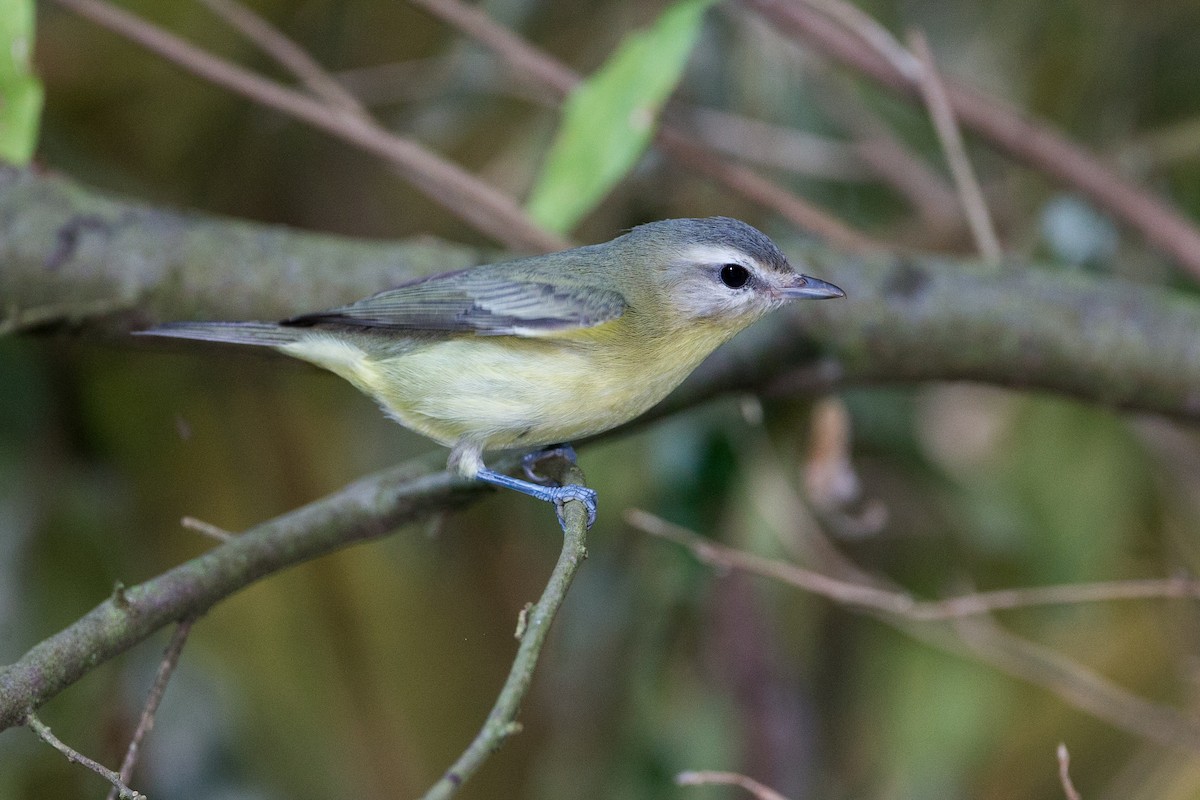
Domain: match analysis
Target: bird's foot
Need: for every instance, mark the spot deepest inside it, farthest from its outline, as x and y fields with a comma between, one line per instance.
x=573, y=491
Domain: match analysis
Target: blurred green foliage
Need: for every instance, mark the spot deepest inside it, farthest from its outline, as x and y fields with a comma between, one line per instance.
x=609, y=119
x=366, y=672
x=20, y=90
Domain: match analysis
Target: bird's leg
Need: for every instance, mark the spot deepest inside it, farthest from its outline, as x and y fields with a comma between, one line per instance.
x=551, y=494
x=530, y=461
x=466, y=458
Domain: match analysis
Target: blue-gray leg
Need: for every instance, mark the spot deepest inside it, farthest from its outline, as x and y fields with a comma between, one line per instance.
x=551, y=494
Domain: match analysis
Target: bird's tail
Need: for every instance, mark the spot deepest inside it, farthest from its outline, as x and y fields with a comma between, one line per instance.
x=268, y=334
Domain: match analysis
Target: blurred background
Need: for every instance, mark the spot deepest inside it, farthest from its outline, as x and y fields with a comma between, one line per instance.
x=366, y=672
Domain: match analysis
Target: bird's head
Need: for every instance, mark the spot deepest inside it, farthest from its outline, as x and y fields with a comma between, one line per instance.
x=717, y=271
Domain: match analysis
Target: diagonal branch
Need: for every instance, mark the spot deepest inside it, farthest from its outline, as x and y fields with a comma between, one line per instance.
x=533, y=64
x=934, y=93
x=166, y=668
x=364, y=510
x=532, y=628
x=1027, y=139
x=972, y=635
x=483, y=206
x=860, y=595
x=75, y=757
x=287, y=53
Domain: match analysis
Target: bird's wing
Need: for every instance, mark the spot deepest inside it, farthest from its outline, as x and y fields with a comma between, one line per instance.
x=481, y=303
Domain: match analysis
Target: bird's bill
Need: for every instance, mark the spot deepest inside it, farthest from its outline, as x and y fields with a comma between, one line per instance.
x=806, y=286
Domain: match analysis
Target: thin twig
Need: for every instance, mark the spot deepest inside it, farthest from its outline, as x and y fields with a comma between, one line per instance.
x=898, y=603
x=166, y=668
x=455, y=189
x=874, y=35
x=290, y=55
x=940, y=111
x=534, y=624
x=751, y=185
x=519, y=54
x=1033, y=141
x=891, y=160
x=532, y=63
x=752, y=141
x=1076, y=684
x=975, y=637
x=1064, y=773
x=75, y=757
x=710, y=778
x=206, y=528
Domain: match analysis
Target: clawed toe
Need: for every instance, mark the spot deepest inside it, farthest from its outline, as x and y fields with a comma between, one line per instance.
x=530, y=461
x=572, y=491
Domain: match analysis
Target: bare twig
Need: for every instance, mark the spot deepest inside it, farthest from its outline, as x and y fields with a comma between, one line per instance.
x=455, y=189
x=533, y=625
x=971, y=634
x=529, y=61
x=519, y=54
x=940, y=111
x=1074, y=683
x=759, y=143
x=291, y=56
x=75, y=757
x=890, y=159
x=753, y=186
x=711, y=778
x=166, y=668
x=874, y=35
x=890, y=602
x=206, y=528
x=1064, y=773
x=1029, y=140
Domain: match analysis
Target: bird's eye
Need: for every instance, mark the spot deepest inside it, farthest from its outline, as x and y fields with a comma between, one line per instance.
x=734, y=276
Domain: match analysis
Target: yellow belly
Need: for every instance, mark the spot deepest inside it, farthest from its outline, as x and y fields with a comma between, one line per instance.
x=509, y=392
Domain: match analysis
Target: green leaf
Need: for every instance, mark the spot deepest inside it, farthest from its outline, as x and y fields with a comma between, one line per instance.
x=20, y=91
x=609, y=119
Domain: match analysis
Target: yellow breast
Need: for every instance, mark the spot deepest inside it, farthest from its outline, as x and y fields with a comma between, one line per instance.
x=509, y=392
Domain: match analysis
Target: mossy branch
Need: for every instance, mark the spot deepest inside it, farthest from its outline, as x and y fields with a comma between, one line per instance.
x=71, y=259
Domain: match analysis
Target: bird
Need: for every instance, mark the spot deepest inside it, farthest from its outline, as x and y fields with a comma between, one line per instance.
x=534, y=353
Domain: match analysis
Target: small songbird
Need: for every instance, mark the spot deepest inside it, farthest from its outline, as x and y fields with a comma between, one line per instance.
x=540, y=351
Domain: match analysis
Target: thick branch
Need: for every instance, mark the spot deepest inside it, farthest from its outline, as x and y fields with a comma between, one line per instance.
x=69, y=257
x=72, y=256
x=367, y=509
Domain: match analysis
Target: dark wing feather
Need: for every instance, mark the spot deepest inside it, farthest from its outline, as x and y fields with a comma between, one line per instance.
x=478, y=301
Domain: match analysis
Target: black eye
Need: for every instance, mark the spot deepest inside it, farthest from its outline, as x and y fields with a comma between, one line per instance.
x=734, y=276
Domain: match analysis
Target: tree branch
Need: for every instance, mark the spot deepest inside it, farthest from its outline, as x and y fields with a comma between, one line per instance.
x=848, y=40
x=366, y=509
x=534, y=65
x=532, y=628
x=166, y=668
x=973, y=635
x=455, y=189
x=72, y=258
x=857, y=594
x=75, y=757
